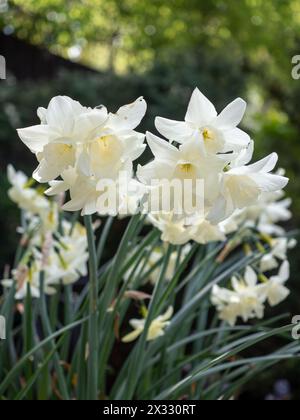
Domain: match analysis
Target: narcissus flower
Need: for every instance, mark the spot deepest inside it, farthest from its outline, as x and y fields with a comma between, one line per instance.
x=208, y=175
x=211, y=167
x=279, y=250
x=27, y=198
x=64, y=125
x=245, y=300
x=57, y=249
x=215, y=133
x=184, y=164
x=83, y=146
x=275, y=289
x=156, y=328
x=242, y=186
x=179, y=231
x=67, y=261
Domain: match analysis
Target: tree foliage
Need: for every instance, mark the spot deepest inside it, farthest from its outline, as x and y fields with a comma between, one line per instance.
x=139, y=30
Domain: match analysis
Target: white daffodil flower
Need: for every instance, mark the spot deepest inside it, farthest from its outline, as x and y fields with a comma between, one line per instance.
x=68, y=259
x=280, y=247
x=275, y=289
x=273, y=212
x=24, y=276
x=63, y=261
x=247, y=297
x=243, y=186
x=84, y=146
x=203, y=232
x=227, y=304
x=250, y=295
x=270, y=209
x=28, y=199
x=156, y=328
x=179, y=231
x=65, y=124
x=184, y=164
x=246, y=300
x=173, y=230
x=216, y=133
x=116, y=145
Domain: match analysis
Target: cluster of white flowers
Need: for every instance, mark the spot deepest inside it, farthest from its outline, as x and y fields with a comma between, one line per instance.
x=247, y=297
x=212, y=149
x=82, y=150
x=32, y=201
x=79, y=149
x=83, y=147
x=60, y=251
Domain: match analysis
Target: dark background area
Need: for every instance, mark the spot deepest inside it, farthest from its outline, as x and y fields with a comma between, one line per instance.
x=111, y=52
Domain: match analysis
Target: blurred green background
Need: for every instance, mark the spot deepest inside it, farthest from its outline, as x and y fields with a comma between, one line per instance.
x=112, y=51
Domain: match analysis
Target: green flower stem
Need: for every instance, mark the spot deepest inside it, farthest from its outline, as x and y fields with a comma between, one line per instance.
x=93, y=327
x=48, y=332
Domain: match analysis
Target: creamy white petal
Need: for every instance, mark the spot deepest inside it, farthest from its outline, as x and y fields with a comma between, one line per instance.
x=167, y=315
x=42, y=114
x=132, y=336
x=161, y=149
x=77, y=203
x=128, y=117
x=269, y=182
x=236, y=139
x=221, y=210
x=244, y=157
x=284, y=272
x=232, y=115
x=174, y=130
x=200, y=110
x=45, y=172
x=60, y=114
x=264, y=165
x=154, y=171
x=37, y=137
x=87, y=123
x=56, y=187
x=250, y=277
